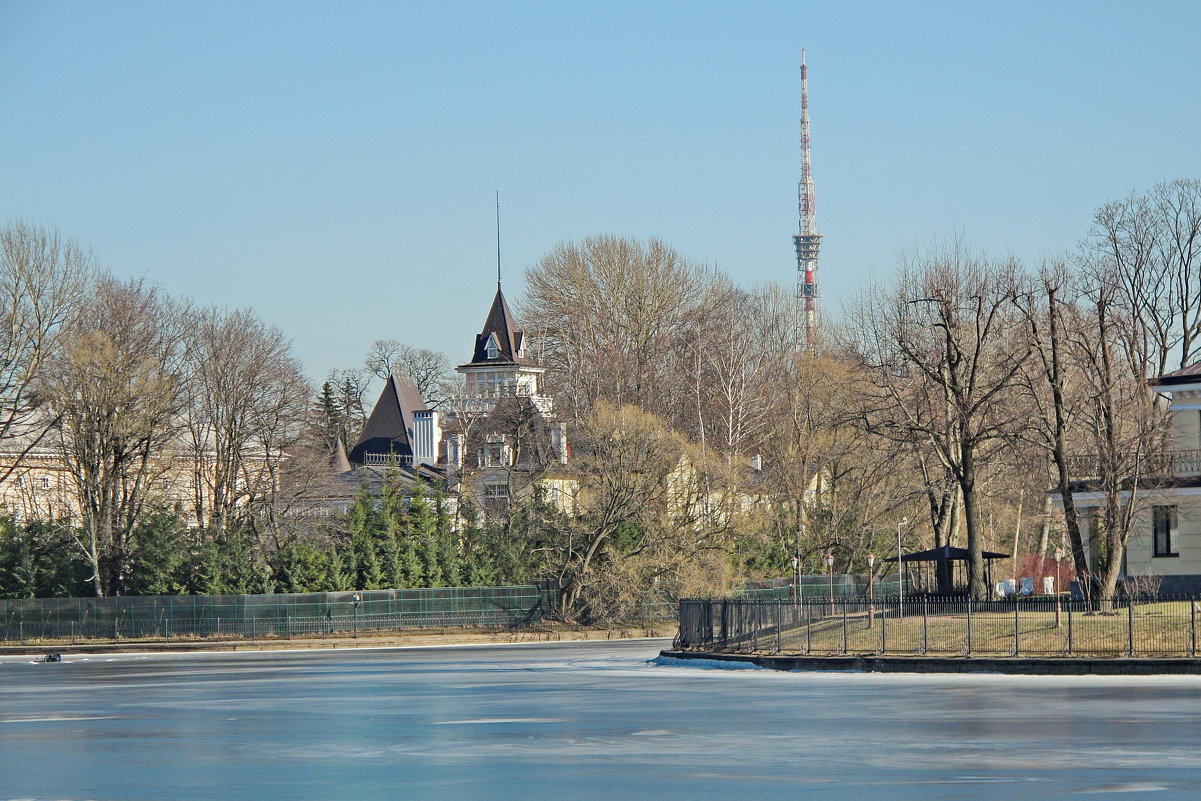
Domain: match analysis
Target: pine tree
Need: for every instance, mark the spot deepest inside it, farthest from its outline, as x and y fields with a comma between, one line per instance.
x=422, y=525
x=362, y=520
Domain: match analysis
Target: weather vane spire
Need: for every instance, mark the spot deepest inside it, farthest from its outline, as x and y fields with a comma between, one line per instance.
x=498, y=239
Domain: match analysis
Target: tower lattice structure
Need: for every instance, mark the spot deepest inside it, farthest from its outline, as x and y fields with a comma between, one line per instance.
x=807, y=240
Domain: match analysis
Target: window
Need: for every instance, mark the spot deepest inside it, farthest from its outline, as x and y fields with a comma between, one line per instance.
x=45, y=482
x=496, y=497
x=1164, y=530
x=492, y=350
x=494, y=454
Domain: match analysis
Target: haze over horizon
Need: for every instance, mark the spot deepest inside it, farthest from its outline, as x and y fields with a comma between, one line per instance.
x=334, y=167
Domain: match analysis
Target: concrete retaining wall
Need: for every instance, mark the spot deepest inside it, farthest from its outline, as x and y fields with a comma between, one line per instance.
x=1060, y=666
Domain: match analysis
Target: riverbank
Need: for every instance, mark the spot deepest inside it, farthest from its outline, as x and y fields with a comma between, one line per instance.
x=398, y=639
x=1048, y=666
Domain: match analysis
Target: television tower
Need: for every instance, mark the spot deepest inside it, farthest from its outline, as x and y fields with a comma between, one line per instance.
x=807, y=240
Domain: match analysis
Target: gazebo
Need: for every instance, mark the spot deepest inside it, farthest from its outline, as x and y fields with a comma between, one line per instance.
x=937, y=571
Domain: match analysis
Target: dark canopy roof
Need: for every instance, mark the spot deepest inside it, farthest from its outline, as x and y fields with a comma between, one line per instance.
x=944, y=554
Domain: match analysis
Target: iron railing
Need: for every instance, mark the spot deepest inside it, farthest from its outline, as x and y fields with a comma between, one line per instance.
x=1040, y=626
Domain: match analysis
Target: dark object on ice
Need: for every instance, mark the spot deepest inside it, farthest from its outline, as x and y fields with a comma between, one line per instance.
x=53, y=658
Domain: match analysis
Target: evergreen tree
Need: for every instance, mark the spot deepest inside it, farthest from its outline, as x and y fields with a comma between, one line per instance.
x=363, y=521
x=422, y=529
x=158, y=555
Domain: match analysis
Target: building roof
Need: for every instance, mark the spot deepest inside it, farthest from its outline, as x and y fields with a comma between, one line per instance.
x=338, y=460
x=946, y=553
x=391, y=421
x=500, y=325
x=1185, y=375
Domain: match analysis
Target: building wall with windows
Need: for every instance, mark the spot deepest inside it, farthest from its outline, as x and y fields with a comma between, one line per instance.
x=1165, y=539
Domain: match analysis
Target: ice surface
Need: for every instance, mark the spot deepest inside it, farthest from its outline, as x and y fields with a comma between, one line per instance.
x=577, y=721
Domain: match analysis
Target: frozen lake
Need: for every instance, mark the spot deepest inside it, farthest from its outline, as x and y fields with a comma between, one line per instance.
x=577, y=721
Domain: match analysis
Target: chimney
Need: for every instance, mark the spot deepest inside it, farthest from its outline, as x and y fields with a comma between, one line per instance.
x=427, y=436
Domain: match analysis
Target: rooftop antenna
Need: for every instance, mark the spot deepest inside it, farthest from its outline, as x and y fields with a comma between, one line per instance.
x=498, y=239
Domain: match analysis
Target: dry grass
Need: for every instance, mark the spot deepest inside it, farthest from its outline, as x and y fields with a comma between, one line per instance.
x=1154, y=629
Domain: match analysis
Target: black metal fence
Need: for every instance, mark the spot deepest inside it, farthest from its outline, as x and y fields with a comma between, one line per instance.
x=283, y=615
x=1039, y=626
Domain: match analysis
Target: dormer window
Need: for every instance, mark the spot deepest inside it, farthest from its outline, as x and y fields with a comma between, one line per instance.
x=492, y=349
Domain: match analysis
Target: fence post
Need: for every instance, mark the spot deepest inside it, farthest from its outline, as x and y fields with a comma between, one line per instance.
x=883, y=635
x=925, y=625
x=808, y=630
x=1016, y=627
x=969, y=625
x=1192, y=628
x=1070, y=605
x=844, y=625
x=1129, y=626
x=779, y=625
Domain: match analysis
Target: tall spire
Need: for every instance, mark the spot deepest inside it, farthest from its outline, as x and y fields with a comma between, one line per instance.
x=807, y=240
x=498, y=239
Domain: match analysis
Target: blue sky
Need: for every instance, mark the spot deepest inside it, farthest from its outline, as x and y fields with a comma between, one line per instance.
x=333, y=166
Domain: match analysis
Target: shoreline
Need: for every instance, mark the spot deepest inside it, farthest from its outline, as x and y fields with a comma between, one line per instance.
x=1030, y=666
x=406, y=639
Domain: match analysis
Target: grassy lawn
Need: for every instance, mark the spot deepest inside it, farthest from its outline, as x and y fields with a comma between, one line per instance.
x=1154, y=629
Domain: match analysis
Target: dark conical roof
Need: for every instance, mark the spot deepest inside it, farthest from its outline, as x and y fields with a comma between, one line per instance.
x=501, y=326
x=338, y=460
x=387, y=429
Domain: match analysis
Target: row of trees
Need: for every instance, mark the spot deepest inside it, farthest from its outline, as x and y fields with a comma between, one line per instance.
x=131, y=399
x=956, y=394
x=707, y=441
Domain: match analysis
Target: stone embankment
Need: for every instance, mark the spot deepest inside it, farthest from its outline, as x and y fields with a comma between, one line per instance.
x=423, y=638
x=1054, y=666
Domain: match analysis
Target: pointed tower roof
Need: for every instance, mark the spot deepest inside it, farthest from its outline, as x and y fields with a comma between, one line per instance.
x=339, y=462
x=388, y=429
x=501, y=341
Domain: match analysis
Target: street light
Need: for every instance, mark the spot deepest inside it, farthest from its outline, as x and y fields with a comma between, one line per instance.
x=830, y=578
x=1058, y=557
x=901, y=567
x=797, y=595
x=871, y=596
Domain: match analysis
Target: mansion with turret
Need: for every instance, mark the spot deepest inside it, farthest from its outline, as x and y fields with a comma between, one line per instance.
x=496, y=441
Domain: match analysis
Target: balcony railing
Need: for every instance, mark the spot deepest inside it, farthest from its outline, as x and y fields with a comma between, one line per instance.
x=484, y=404
x=385, y=459
x=1156, y=465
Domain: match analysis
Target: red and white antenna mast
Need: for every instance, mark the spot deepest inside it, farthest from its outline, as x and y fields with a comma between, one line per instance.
x=807, y=240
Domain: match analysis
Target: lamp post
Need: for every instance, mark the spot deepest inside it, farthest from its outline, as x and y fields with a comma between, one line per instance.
x=797, y=594
x=796, y=579
x=871, y=595
x=1058, y=557
x=901, y=567
x=830, y=578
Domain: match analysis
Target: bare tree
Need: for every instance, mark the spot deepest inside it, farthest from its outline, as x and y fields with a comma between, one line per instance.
x=1125, y=426
x=247, y=398
x=43, y=282
x=945, y=346
x=430, y=371
x=610, y=314
x=1149, y=246
x=1053, y=387
x=738, y=343
x=647, y=506
x=117, y=386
